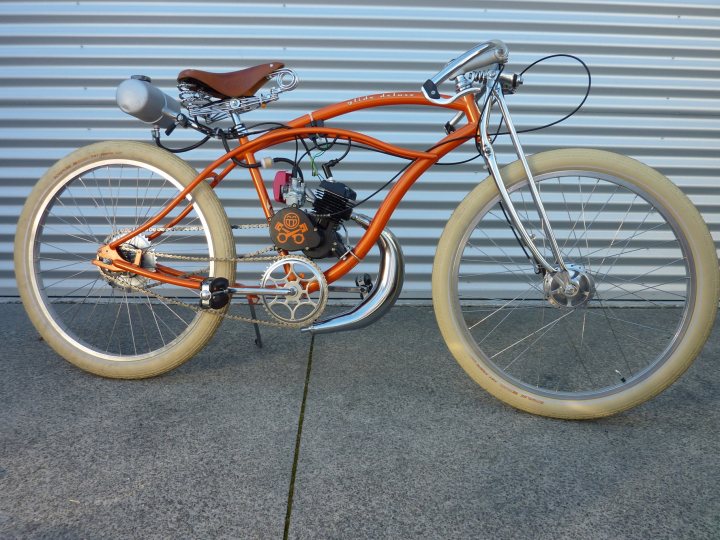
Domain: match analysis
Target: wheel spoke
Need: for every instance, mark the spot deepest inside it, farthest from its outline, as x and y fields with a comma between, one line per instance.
x=606, y=229
x=95, y=312
x=542, y=331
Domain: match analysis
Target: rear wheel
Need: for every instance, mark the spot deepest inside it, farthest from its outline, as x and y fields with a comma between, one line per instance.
x=628, y=317
x=100, y=320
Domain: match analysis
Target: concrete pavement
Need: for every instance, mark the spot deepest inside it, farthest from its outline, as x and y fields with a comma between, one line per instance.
x=397, y=442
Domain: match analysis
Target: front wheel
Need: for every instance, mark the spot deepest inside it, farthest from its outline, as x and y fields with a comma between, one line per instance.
x=111, y=323
x=626, y=319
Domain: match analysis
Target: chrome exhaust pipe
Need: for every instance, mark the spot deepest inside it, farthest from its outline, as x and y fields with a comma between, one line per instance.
x=391, y=275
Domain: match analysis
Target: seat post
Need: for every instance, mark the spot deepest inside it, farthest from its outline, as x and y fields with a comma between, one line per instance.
x=237, y=122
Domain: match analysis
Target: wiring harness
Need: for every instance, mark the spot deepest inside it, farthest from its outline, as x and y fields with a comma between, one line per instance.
x=316, y=146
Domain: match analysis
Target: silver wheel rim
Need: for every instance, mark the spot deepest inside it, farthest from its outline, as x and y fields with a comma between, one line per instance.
x=559, y=355
x=89, y=205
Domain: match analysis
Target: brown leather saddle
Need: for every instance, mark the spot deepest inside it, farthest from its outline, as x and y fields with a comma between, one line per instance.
x=243, y=83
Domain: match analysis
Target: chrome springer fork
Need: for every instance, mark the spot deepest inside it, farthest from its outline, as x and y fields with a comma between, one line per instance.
x=494, y=94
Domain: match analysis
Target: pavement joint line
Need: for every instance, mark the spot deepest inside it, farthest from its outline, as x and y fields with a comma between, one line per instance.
x=298, y=439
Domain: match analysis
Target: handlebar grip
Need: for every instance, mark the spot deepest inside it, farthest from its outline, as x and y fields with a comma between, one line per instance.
x=496, y=53
x=483, y=55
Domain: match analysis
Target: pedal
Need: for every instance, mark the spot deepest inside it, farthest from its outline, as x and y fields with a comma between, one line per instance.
x=214, y=293
x=365, y=284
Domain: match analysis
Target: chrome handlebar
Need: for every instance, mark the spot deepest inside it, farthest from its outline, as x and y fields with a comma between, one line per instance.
x=479, y=57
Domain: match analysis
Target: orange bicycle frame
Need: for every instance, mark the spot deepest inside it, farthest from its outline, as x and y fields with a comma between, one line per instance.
x=299, y=128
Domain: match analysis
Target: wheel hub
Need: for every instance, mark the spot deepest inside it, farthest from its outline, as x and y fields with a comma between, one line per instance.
x=128, y=251
x=569, y=288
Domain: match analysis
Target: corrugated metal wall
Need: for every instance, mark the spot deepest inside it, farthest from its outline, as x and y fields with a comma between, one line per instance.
x=656, y=85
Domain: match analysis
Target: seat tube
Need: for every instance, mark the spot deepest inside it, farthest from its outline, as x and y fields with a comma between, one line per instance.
x=257, y=181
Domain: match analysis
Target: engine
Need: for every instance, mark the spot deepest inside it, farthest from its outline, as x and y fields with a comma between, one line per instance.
x=315, y=233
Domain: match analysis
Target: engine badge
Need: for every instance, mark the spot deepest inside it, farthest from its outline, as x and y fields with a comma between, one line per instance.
x=292, y=230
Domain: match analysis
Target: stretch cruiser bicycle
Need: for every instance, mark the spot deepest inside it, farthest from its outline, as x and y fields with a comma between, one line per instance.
x=574, y=283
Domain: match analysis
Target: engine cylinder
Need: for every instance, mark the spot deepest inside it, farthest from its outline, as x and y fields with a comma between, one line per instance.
x=334, y=199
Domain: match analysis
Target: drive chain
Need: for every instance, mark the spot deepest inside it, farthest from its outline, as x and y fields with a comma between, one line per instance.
x=223, y=313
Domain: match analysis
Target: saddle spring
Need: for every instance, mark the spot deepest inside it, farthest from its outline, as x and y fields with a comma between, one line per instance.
x=200, y=103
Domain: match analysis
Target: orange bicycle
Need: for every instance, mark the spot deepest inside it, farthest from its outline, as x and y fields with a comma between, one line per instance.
x=574, y=283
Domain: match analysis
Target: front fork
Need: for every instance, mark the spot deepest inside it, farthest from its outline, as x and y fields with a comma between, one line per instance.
x=496, y=95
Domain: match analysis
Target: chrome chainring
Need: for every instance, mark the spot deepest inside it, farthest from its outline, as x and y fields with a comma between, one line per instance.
x=132, y=282
x=309, y=290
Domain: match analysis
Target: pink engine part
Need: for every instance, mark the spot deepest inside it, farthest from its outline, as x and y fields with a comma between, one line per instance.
x=282, y=179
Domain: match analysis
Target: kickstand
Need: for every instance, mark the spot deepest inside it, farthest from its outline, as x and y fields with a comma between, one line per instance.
x=258, y=338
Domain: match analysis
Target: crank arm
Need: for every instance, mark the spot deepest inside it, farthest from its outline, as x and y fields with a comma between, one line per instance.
x=215, y=293
x=340, y=288
x=363, y=286
x=259, y=291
